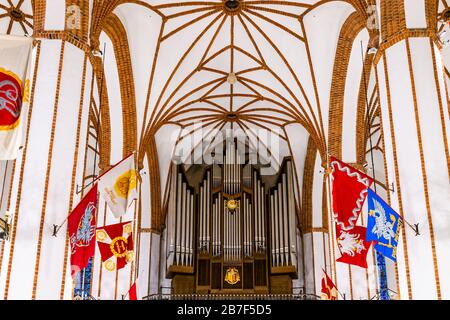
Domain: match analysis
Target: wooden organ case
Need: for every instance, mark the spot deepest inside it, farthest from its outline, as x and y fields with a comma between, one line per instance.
x=229, y=232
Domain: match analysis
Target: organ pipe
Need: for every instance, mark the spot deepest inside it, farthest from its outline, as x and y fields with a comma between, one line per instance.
x=283, y=220
x=286, y=220
x=292, y=216
x=178, y=219
x=272, y=227
x=208, y=209
x=183, y=224
x=277, y=230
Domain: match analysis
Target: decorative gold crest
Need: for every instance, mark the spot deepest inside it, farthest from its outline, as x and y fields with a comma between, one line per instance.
x=232, y=205
x=119, y=247
x=232, y=276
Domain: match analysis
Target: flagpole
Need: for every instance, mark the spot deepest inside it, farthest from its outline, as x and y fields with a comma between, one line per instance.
x=96, y=151
x=381, y=260
x=332, y=227
x=104, y=173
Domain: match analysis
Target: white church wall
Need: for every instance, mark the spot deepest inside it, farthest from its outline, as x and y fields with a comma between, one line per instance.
x=55, y=15
x=309, y=263
x=34, y=181
x=323, y=44
x=142, y=53
x=410, y=173
x=155, y=261
x=355, y=70
x=166, y=139
x=114, y=99
x=415, y=14
x=435, y=158
x=58, y=195
x=298, y=142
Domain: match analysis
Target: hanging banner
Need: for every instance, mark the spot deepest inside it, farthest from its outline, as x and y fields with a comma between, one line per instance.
x=81, y=229
x=15, y=61
x=383, y=226
x=119, y=186
x=349, y=191
x=115, y=243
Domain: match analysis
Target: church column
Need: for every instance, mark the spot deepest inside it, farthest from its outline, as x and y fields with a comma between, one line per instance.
x=316, y=242
x=35, y=264
x=416, y=131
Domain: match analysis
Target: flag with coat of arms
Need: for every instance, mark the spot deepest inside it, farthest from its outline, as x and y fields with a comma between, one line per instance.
x=115, y=243
x=118, y=186
x=383, y=226
x=81, y=228
x=15, y=61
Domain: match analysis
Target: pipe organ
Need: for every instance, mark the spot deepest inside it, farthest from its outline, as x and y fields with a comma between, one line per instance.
x=230, y=230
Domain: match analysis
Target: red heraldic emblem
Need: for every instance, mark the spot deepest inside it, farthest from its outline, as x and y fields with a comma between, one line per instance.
x=10, y=100
x=115, y=243
x=82, y=228
x=354, y=247
x=349, y=193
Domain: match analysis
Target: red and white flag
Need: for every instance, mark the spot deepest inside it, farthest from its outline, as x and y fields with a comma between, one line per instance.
x=81, y=229
x=354, y=247
x=329, y=290
x=15, y=60
x=349, y=189
x=115, y=243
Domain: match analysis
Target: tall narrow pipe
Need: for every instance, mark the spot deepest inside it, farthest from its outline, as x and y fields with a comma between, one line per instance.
x=191, y=233
x=219, y=221
x=277, y=228
x=244, y=208
x=249, y=230
x=255, y=208
x=272, y=231
x=227, y=234
x=292, y=218
x=183, y=224
x=208, y=209
x=281, y=226
x=214, y=243
x=286, y=221
x=240, y=233
x=200, y=220
x=261, y=215
x=233, y=234
x=178, y=219
x=250, y=210
x=186, y=229
x=258, y=190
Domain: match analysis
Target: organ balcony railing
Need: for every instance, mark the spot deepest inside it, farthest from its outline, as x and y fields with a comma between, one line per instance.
x=221, y=297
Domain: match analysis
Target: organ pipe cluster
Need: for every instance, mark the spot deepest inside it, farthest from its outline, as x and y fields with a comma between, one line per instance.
x=232, y=217
x=283, y=220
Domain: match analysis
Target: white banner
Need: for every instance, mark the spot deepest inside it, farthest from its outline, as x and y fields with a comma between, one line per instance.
x=15, y=61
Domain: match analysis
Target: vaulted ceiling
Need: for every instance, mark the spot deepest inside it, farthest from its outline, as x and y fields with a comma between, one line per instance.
x=245, y=65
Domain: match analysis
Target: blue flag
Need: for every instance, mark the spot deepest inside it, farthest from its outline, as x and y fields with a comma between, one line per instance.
x=383, y=226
